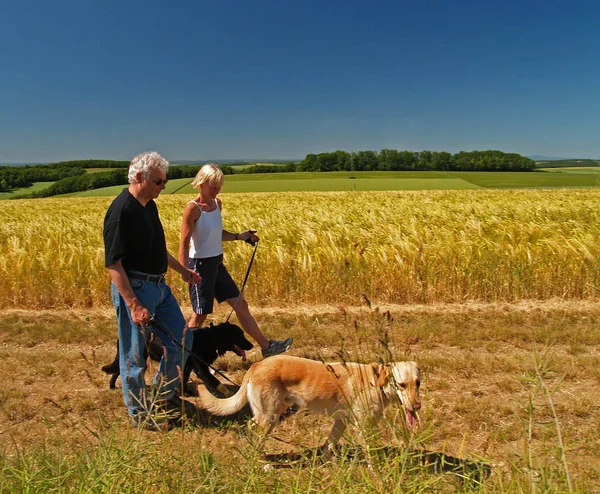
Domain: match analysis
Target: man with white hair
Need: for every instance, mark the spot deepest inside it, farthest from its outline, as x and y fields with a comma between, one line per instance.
x=137, y=259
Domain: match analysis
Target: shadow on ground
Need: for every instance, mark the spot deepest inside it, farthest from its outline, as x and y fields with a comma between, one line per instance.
x=468, y=471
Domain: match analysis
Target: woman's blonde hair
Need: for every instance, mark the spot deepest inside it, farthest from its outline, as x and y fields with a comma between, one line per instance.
x=209, y=173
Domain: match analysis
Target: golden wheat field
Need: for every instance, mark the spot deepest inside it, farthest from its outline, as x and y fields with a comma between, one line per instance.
x=393, y=247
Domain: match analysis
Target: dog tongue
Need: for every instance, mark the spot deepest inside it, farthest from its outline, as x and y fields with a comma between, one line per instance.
x=411, y=419
x=240, y=352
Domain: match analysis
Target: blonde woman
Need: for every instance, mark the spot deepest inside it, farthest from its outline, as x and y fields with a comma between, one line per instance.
x=201, y=249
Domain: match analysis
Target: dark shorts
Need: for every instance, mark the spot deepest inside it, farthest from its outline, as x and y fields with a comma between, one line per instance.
x=216, y=283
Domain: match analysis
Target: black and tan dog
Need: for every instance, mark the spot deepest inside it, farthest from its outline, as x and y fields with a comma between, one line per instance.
x=209, y=343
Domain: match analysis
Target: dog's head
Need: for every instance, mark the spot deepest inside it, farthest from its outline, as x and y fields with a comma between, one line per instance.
x=401, y=380
x=231, y=338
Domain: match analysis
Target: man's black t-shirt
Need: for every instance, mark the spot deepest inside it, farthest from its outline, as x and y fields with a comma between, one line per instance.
x=134, y=235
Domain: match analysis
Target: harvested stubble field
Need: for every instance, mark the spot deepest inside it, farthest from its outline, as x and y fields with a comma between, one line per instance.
x=510, y=365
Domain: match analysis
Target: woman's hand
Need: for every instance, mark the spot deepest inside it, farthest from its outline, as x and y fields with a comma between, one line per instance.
x=249, y=236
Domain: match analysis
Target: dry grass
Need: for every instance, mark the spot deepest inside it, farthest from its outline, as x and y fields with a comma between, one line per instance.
x=499, y=382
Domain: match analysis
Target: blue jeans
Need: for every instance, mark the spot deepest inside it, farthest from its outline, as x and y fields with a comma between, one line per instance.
x=159, y=300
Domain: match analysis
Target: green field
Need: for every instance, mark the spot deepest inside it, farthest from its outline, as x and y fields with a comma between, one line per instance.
x=582, y=169
x=365, y=181
x=565, y=178
x=37, y=186
x=568, y=163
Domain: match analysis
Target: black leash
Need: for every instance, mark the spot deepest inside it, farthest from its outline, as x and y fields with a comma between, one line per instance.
x=156, y=323
x=245, y=277
x=177, y=190
x=163, y=328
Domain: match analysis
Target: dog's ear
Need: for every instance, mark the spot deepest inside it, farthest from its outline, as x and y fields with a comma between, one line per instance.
x=381, y=372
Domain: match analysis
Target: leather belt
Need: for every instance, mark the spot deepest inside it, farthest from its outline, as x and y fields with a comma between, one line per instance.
x=153, y=278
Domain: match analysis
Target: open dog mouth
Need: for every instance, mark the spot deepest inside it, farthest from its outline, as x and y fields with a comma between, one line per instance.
x=412, y=420
x=410, y=411
x=238, y=351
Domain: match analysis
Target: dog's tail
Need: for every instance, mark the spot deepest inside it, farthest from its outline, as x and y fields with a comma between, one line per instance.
x=111, y=368
x=227, y=406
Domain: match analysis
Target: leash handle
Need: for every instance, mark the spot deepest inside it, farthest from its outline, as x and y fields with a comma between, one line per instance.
x=249, y=239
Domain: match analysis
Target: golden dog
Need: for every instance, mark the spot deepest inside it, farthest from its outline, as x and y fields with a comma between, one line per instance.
x=348, y=391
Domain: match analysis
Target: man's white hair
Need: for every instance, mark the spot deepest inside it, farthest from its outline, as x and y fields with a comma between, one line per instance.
x=144, y=162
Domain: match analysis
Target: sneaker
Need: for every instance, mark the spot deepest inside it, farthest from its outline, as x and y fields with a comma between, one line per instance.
x=276, y=347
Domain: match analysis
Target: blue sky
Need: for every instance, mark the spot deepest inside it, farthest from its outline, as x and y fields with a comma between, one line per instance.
x=280, y=79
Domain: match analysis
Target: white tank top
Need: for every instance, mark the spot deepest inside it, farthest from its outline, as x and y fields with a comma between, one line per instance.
x=207, y=240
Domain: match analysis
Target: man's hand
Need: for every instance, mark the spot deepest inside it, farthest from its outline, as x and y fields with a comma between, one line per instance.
x=139, y=314
x=190, y=276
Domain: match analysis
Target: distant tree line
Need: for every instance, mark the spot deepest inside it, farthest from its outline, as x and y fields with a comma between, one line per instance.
x=86, y=181
x=90, y=164
x=289, y=167
x=72, y=176
x=391, y=159
x=98, y=180
x=69, y=176
x=24, y=176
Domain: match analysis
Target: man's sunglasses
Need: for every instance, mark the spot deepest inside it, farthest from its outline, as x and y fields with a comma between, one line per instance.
x=159, y=181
